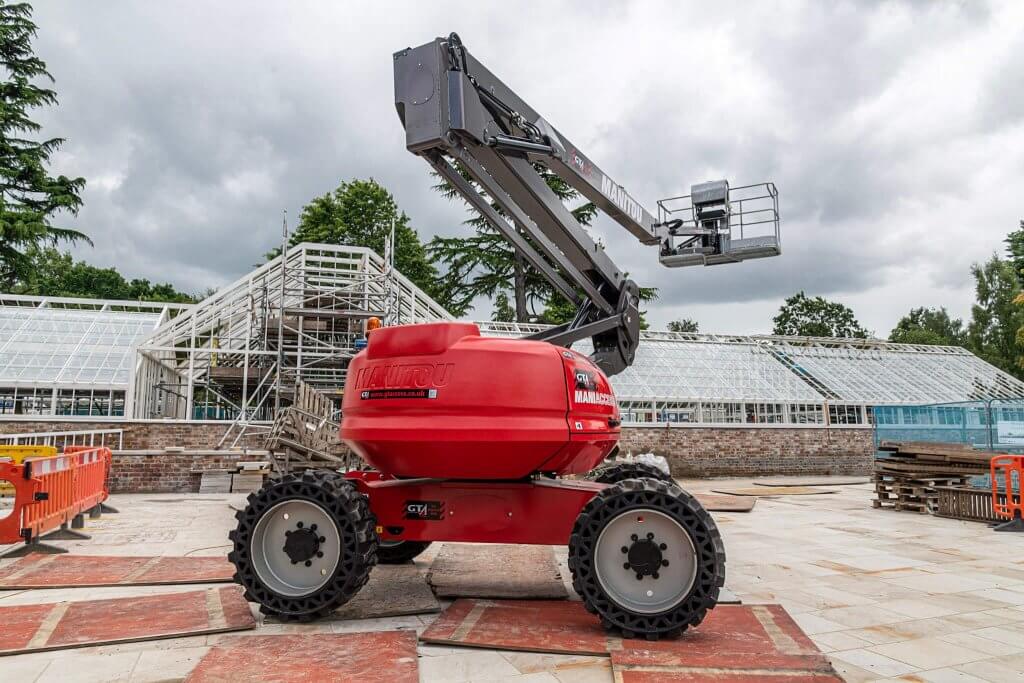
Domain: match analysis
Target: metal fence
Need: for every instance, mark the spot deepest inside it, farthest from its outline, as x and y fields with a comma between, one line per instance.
x=110, y=438
x=995, y=425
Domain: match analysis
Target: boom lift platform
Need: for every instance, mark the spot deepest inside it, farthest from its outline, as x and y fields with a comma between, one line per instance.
x=469, y=438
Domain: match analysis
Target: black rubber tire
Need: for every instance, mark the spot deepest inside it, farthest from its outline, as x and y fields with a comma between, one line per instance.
x=400, y=553
x=667, y=498
x=621, y=471
x=356, y=526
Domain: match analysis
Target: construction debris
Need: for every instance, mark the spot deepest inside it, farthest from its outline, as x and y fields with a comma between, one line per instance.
x=305, y=434
x=467, y=570
x=911, y=473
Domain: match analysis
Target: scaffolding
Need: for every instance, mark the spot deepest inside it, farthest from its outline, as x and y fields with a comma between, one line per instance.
x=240, y=353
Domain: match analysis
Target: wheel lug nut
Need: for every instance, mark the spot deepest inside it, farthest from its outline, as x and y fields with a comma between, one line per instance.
x=625, y=550
x=654, y=575
x=639, y=577
x=664, y=563
x=295, y=561
x=649, y=535
x=634, y=537
x=626, y=565
x=299, y=524
x=312, y=527
x=288, y=533
x=321, y=539
x=663, y=546
x=309, y=563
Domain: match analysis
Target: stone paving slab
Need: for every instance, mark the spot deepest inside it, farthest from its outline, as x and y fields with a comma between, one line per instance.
x=90, y=571
x=377, y=657
x=36, y=628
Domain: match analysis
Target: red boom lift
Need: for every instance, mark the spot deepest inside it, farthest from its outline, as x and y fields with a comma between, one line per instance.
x=470, y=437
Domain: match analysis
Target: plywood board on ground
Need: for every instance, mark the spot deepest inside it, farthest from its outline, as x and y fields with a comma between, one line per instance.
x=392, y=591
x=718, y=503
x=814, y=481
x=565, y=627
x=380, y=656
x=496, y=570
x=646, y=666
x=56, y=626
x=87, y=571
x=768, y=491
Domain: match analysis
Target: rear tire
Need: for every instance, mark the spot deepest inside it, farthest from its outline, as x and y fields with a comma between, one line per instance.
x=400, y=552
x=621, y=471
x=304, y=545
x=619, y=556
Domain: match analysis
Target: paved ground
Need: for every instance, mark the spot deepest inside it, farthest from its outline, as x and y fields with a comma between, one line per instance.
x=889, y=596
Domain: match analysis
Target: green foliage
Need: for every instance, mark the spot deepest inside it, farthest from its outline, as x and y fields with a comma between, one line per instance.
x=931, y=326
x=1015, y=246
x=803, y=316
x=29, y=195
x=360, y=213
x=486, y=264
x=996, y=318
x=503, y=311
x=684, y=325
x=52, y=273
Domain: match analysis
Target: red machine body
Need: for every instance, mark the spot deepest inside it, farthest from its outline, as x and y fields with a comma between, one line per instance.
x=437, y=400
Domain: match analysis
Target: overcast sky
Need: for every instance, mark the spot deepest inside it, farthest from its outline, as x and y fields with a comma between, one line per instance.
x=893, y=130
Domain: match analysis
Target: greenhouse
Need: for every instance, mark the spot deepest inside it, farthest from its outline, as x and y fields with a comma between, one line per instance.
x=239, y=354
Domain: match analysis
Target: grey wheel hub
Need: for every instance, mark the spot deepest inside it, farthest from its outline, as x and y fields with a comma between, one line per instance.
x=296, y=548
x=645, y=561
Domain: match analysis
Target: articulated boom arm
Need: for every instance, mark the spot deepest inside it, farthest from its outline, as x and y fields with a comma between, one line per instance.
x=456, y=111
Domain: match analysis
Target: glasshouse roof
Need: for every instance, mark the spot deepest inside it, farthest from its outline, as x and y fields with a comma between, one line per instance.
x=672, y=366
x=68, y=342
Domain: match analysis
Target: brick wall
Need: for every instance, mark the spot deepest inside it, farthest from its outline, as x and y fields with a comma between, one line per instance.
x=142, y=434
x=724, y=452
x=691, y=451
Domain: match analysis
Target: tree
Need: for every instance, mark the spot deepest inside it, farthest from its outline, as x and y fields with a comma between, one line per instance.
x=806, y=317
x=931, y=326
x=360, y=213
x=486, y=264
x=995, y=319
x=53, y=273
x=684, y=325
x=503, y=311
x=29, y=195
x=1015, y=246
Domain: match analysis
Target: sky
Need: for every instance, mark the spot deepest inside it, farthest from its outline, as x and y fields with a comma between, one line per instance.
x=894, y=131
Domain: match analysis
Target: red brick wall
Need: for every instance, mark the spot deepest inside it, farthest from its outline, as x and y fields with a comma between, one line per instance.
x=752, y=451
x=691, y=451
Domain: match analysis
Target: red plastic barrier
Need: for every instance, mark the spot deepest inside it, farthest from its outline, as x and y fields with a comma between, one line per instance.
x=49, y=492
x=1003, y=483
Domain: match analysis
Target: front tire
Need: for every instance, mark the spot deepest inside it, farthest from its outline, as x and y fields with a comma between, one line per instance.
x=304, y=545
x=647, y=559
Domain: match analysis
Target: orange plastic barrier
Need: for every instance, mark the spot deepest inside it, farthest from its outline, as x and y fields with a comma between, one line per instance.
x=50, y=492
x=1008, y=490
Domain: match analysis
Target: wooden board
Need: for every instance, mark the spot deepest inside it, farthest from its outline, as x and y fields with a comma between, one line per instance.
x=769, y=491
x=496, y=570
x=814, y=481
x=56, y=626
x=87, y=571
x=564, y=627
x=374, y=657
x=646, y=666
x=392, y=591
x=719, y=503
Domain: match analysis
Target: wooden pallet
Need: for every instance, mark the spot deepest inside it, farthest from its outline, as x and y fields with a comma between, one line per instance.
x=968, y=503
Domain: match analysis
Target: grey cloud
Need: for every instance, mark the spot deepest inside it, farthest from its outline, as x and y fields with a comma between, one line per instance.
x=197, y=123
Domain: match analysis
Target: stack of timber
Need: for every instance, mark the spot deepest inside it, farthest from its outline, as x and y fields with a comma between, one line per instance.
x=912, y=473
x=305, y=435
